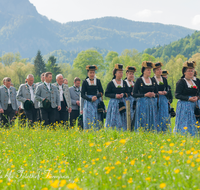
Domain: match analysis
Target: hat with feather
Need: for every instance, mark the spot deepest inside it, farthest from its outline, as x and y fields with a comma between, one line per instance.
x=130, y=69
x=91, y=67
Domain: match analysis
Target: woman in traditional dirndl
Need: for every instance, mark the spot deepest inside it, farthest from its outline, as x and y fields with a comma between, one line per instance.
x=187, y=93
x=163, y=105
x=91, y=92
x=117, y=91
x=130, y=70
x=145, y=90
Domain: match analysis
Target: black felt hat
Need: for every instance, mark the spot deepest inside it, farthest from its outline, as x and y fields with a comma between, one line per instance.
x=91, y=67
x=165, y=72
x=28, y=104
x=119, y=67
x=130, y=68
x=157, y=65
x=46, y=104
x=101, y=107
x=122, y=108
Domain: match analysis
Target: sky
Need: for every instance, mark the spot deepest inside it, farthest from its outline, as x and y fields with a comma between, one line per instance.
x=177, y=12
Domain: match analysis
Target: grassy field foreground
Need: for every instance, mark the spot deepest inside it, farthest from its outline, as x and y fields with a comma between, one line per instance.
x=106, y=159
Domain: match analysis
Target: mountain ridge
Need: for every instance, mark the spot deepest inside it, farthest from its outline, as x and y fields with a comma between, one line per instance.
x=24, y=30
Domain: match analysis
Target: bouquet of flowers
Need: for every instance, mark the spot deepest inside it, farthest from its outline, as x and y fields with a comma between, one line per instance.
x=195, y=87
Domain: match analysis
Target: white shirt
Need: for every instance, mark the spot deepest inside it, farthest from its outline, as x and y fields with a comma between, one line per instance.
x=129, y=83
x=61, y=92
x=116, y=85
x=9, y=101
x=95, y=81
x=32, y=94
x=148, y=84
x=189, y=85
x=157, y=80
x=48, y=85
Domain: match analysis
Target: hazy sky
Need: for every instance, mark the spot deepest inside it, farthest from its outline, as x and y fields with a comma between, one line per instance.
x=178, y=12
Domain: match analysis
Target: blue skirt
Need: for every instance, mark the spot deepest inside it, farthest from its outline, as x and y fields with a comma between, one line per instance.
x=163, y=114
x=131, y=100
x=146, y=114
x=91, y=118
x=113, y=116
x=185, y=118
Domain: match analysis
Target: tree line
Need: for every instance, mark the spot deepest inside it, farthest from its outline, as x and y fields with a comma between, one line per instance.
x=14, y=66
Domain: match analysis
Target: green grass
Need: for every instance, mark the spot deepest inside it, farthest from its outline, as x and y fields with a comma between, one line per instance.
x=46, y=158
x=106, y=159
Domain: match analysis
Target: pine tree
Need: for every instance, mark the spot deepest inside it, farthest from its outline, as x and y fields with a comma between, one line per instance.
x=39, y=66
x=53, y=67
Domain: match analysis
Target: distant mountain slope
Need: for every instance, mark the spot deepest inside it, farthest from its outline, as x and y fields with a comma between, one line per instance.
x=23, y=29
x=187, y=46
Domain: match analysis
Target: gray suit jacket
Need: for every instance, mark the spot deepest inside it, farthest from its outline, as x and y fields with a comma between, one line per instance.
x=4, y=98
x=24, y=93
x=75, y=96
x=42, y=92
x=66, y=93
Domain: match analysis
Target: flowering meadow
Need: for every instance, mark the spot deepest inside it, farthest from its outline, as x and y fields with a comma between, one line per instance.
x=46, y=158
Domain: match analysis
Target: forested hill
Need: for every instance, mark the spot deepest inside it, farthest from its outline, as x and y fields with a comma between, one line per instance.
x=187, y=46
x=24, y=30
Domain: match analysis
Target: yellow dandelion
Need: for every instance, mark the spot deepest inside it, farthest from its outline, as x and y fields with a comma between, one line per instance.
x=132, y=162
x=188, y=151
x=171, y=144
x=198, y=160
x=181, y=153
x=62, y=171
x=76, y=180
x=72, y=186
x=123, y=141
x=45, y=188
x=119, y=177
x=107, y=143
x=167, y=158
x=91, y=144
x=62, y=183
x=162, y=185
x=99, y=150
x=148, y=179
x=118, y=163
x=177, y=171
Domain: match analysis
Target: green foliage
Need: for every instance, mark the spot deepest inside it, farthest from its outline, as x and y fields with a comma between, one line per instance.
x=70, y=73
x=187, y=46
x=52, y=67
x=17, y=71
x=88, y=57
x=39, y=66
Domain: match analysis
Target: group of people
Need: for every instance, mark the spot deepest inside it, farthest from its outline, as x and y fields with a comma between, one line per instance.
x=42, y=101
x=150, y=99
